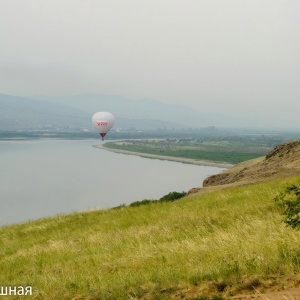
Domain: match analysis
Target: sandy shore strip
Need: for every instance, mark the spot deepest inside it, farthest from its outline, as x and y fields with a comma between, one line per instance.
x=171, y=158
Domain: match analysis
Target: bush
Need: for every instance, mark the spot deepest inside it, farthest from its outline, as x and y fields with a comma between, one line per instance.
x=172, y=196
x=289, y=200
x=143, y=202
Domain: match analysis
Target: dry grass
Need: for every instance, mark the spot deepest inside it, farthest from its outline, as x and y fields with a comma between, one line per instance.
x=282, y=161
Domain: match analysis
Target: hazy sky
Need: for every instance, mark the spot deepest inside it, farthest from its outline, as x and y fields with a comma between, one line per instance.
x=223, y=55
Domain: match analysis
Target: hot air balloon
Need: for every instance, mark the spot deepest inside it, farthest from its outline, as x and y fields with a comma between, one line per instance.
x=103, y=121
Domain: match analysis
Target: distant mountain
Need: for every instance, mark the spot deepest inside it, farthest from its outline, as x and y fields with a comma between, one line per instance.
x=22, y=113
x=123, y=107
x=18, y=113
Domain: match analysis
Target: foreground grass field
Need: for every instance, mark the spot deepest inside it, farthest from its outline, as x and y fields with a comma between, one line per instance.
x=209, y=246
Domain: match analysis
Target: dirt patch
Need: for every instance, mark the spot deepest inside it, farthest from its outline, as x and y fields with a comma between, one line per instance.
x=285, y=287
x=288, y=294
x=277, y=288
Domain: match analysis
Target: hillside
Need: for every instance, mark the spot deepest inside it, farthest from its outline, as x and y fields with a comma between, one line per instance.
x=229, y=244
x=282, y=161
x=218, y=244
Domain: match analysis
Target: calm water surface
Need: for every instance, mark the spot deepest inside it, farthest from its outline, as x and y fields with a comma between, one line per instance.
x=46, y=177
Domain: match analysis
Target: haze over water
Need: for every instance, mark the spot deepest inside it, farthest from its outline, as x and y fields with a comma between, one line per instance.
x=47, y=177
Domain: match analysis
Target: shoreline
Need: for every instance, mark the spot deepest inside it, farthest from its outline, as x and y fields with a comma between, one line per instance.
x=204, y=163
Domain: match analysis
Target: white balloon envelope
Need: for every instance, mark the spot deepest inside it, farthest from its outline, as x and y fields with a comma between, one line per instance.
x=103, y=121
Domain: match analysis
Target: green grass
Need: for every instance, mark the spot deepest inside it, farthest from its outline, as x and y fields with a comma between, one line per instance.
x=214, y=150
x=199, y=246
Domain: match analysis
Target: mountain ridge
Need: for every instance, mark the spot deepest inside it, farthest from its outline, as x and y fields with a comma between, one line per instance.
x=147, y=108
x=23, y=113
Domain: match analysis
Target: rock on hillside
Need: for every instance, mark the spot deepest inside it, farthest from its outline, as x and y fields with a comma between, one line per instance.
x=282, y=161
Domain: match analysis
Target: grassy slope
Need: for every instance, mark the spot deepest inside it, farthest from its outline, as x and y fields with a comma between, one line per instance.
x=222, y=241
x=282, y=161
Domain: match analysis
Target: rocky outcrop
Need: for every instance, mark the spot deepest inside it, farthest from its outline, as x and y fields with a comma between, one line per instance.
x=284, y=150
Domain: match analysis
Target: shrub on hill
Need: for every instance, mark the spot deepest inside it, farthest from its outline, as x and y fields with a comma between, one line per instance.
x=143, y=202
x=289, y=200
x=172, y=196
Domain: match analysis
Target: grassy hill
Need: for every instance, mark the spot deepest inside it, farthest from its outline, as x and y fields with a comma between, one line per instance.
x=226, y=241
x=205, y=246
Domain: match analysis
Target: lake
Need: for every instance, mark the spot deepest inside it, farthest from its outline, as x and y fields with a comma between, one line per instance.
x=40, y=178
